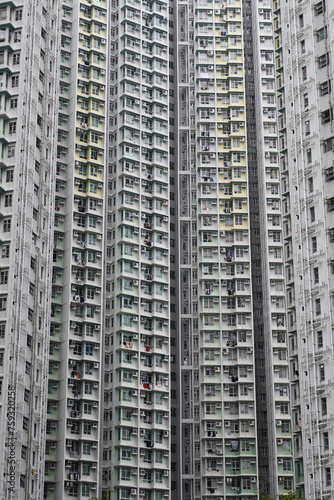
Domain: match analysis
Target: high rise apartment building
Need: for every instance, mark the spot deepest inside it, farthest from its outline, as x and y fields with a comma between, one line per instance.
x=136, y=439
x=304, y=60
x=227, y=415
x=75, y=400
x=28, y=106
x=234, y=422
x=144, y=333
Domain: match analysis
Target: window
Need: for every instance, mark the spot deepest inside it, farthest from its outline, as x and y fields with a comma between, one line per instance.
x=285, y=428
x=15, y=81
x=325, y=116
x=319, y=8
x=316, y=275
x=85, y=469
x=324, y=88
x=330, y=205
x=287, y=484
x=328, y=476
x=284, y=409
x=25, y=423
x=210, y=409
x=85, y=448
x=87, y=408
x=16, y=58
x=7, y=225
x=12, y=127
x=324, y=406
x=321, y=34
x=8, y=200
x=309, y=156
x=11, y=151
x=317, y=307
x=3, y=277
x=85, y=490
x=306, y=101
x=314, y=244
x=95, y=121
x=13, y=103
x=320, y=339
x=93, y=187
x=323, y=61
x=5, y=251
x=328, y=145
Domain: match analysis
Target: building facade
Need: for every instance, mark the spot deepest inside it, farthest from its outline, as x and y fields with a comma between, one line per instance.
x=29, y=69
x=194, y=291
x=74, y=407
x=136, y=439
x=304, y=61
x=165, y=305
x=234, y=432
